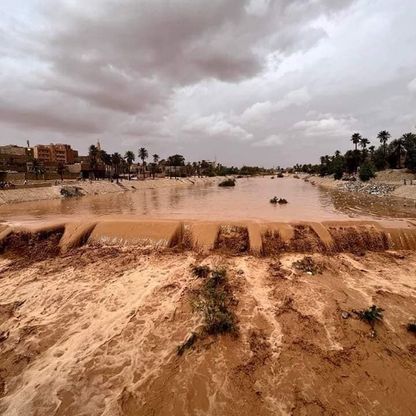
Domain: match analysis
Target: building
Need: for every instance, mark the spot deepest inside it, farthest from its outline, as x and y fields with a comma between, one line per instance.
x=15, y=158
x=55, y=153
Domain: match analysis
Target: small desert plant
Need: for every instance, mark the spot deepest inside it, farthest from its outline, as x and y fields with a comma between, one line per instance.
x=227, y=182
x=307, y=265
x=188, y=343
x=411, y=327
x=214, y=302
x=280, y=175
x=371, y=315
x=282, y=201
x=201, y=271
x=274, y=200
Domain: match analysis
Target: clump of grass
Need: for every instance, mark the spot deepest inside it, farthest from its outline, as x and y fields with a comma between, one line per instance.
x=371, y=315
x=227, y=182
x=214, y=302
x=307, y=265
x=201, y=271
x=411, y=327
x=187, y=344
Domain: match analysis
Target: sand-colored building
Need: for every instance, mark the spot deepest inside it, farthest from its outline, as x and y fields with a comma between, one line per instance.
x=15, y=158
x=55, y=153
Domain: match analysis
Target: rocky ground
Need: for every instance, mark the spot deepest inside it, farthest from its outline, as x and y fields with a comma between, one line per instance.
x=96, y=332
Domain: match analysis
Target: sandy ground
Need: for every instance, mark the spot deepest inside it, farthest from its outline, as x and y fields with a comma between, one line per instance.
x=10, y=196
x=96, y=331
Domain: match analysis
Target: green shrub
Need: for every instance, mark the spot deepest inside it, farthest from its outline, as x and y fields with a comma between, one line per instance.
x=201, y=271
x=339, y=172
x=307, y=265
x=367, y=171
x=371, y=315
x=214, y=302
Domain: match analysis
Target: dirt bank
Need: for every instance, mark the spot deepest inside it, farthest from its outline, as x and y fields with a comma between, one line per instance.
x=386, y=183
x=96, y=331
x=10, y=196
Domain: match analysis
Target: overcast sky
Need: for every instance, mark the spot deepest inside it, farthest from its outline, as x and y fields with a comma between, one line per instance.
x=269, y=82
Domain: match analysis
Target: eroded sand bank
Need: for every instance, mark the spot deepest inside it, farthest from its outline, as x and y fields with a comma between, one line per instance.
x=11, y=196
x=95, y=331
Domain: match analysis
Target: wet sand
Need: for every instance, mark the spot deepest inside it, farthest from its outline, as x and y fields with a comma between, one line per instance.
x=96, y=331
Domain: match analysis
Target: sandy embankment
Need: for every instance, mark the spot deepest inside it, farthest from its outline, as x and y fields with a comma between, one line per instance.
x=94, y=188
x=95, y=332
x=394, y=178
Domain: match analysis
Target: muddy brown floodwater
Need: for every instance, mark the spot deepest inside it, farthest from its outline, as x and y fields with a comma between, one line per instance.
x=248, y=200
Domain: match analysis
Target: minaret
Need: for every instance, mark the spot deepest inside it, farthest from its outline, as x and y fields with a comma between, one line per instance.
x=98, y=145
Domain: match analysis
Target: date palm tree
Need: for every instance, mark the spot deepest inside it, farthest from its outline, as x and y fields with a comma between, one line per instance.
x=364, y=142
x=129, y=158
x=92, y=156
x=384, y=137
x=154, y=164
x=116, y=161
x=399, y=149
x=106, y=160
x=143, y=155
x=356, y=138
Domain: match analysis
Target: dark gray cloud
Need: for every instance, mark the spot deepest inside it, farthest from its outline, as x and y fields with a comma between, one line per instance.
x=256, y=81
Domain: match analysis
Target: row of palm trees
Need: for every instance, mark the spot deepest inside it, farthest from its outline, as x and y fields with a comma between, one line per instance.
x=117, y=163
x=393, y=154
x=397, y=153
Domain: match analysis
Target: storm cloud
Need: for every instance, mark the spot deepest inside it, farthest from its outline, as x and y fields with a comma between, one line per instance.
x=268, y=82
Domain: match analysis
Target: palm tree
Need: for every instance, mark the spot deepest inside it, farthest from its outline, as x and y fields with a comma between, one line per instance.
x=384, y=136
x=143, y=155
x=399, y=149
x=116, y=161
x=106, y=159
x=154, y=164
x=356, y=138
x=372, y=150
x=37, y=168
x=93, y=154
x=364, y=142
x=129, y=157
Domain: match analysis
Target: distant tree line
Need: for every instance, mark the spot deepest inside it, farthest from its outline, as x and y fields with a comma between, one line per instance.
x=175, y=165
x=366, y=159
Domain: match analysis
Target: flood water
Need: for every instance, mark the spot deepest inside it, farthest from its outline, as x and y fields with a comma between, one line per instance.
x=249, y=199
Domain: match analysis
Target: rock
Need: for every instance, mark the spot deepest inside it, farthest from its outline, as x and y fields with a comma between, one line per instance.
x=71, y=191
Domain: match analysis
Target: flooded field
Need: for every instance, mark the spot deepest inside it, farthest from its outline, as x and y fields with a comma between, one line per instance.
x=249, y=199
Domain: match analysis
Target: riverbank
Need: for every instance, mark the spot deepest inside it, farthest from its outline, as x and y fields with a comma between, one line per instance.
x=386, y=183
x=96, y=331
x=98, y=187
